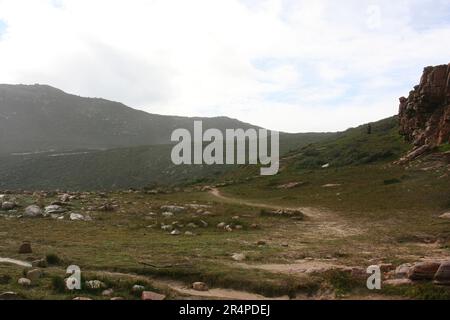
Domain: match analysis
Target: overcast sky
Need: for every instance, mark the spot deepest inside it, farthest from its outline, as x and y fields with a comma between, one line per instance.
x=288, y=65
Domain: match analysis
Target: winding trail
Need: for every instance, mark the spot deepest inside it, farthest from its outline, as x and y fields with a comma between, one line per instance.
x=216, y=193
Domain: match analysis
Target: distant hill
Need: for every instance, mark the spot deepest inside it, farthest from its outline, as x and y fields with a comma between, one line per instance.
x=41, y=118
x=53, y=140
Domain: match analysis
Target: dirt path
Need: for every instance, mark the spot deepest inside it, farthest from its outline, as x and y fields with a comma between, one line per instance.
x=16, y=262
x=320, y=221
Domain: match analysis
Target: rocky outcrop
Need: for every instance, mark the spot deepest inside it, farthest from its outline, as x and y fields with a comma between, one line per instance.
x=425, y=115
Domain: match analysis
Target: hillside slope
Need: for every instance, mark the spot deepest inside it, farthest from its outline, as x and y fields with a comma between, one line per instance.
x=41, y=118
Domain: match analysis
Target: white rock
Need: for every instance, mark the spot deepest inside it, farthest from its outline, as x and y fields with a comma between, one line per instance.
x=445, y=215
x=238, y=257
x=76, y=216
x=33, y=211
x=24, y=282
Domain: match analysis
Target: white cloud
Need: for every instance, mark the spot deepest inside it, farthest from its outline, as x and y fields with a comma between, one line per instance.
x=287, y=65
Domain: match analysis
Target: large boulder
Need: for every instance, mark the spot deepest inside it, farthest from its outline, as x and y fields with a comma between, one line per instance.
x=33, y=211
x=423, y=270
x=442, y=275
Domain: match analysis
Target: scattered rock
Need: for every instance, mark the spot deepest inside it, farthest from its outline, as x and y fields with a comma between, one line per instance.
x=173, y=209
x=9, y=295
x=191, y=225
x=297, y=214
x=221, y=225
x=189, y=233
x=290, y=185
x=95, y=284
x=116, y=298
x=423, y=271
x=108, y=292
x=442, y=276
x=402, y=271
x=167, y=227
x=200, y=286
x=445, y=215
x=76, y=217
x=149, y=295
x=8, y=205
x=25, y=248
x=238, y=257
x=261, y=243
x=34, y=274
x=54, y=209
x=64, y=198
x=82, y=299
x=331, y=185
x=137, y=288
x=33, y=211
x=175, y=232
x=167, y=214
x=40, y=263
x=24, y=282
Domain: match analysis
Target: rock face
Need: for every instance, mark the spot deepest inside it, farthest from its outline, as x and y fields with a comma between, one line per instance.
x=425, y=115
x=423, y=271
x=443, y=274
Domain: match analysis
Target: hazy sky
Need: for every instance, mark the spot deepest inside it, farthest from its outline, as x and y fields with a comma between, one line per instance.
x=287, y=65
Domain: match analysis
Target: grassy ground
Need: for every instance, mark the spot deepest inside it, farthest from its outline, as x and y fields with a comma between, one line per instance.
x=373, y=214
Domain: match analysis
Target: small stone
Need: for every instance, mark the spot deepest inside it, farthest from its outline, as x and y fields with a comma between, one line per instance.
x=25, y=248
x=82, y=299
x=188, y=233
x=423, y=271
x=117, y=298
x=95, y=284
x=228, y=228
x=41, y=263
x=401, y=272
x=221, y=225
x=107, y=292
x=261, y=243
x=34, y=274
x=238, y=257
x=175, y=232
x=191, y=225
x=24, y=282
x=8, y=205
x=64, y=198
x=238, y=227
x=167, y=214
x=149, y=295
x=76, y=217
x=137, y=288
x=200, y=286
x=445, y=215
x=167, y=227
